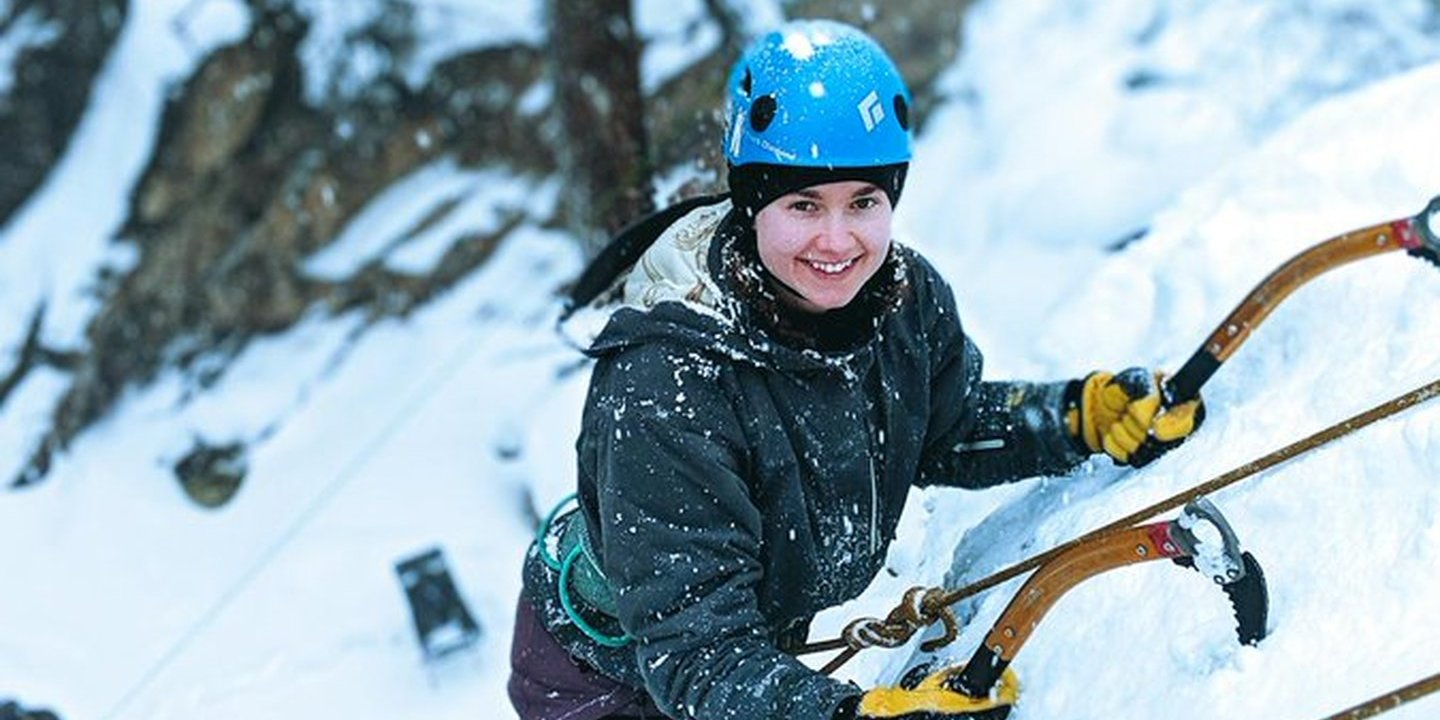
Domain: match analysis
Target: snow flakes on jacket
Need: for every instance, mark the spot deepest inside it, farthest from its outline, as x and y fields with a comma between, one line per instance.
x=736, y=480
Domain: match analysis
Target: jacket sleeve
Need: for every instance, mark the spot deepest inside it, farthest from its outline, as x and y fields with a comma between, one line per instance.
x=679, y=539
x=987, y=433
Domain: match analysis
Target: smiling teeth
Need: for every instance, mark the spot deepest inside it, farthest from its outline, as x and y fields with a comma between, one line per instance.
x=831, y=268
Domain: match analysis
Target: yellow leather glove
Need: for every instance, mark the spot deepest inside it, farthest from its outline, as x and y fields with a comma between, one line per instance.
x=1121, y=416
x=932, y=699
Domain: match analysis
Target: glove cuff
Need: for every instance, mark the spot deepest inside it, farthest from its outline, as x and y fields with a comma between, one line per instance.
x=1070, y=409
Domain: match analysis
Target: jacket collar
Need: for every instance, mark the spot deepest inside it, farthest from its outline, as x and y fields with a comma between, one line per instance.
x=701, y=283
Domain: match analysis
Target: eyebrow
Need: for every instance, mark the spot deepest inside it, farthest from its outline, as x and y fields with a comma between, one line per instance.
x=868, y=189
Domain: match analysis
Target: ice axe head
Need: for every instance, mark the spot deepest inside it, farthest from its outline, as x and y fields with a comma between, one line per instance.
x=1425, y=242
x=1206, y=537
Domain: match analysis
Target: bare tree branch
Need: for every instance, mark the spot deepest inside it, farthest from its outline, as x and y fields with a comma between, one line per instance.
x=595, y=69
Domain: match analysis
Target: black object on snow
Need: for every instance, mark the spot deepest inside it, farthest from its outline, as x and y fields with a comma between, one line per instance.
x=11, y=710
x=443, y=624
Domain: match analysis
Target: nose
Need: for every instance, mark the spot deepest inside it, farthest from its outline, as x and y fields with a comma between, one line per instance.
x=835, y=233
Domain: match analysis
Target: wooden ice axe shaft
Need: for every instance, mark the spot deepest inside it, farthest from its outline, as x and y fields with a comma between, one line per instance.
x=1416, y=234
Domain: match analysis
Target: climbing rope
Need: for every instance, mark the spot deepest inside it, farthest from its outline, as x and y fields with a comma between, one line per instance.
x=404, y=414
x=922, y=607
x=1391, y=700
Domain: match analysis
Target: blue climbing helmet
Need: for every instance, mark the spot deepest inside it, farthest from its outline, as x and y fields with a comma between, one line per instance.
x=817, y=94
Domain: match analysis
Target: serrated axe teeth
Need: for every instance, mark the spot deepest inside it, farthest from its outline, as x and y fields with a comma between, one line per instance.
x=1428, y=223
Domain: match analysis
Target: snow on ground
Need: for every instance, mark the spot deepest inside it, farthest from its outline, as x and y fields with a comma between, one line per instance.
x=1347, y=534
x=342, y=53
x=153, y=608
x=50, y=254
x=468, y=203
x=1052, y=156
x=678, y=35
x=158, y=45
x=454, y=427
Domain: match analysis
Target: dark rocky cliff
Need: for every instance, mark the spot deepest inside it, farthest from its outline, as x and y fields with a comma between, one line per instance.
x=250, y=175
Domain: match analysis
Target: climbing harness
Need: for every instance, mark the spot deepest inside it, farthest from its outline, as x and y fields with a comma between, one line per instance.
x=578, y=571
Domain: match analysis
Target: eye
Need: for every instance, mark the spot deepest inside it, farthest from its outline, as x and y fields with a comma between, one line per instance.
x=865, y=202
x=803, y=205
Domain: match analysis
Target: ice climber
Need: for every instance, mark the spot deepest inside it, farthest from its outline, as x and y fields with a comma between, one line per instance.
x=778, y=375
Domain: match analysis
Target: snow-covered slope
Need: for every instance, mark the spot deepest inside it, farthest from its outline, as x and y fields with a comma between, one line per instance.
x=122, y=600
x=1349, y=534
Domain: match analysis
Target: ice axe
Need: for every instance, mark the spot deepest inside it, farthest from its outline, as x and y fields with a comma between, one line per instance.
x=1200, y=538
x=1418, y=235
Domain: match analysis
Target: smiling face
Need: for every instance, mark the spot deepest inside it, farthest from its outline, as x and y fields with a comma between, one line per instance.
x=824, y=242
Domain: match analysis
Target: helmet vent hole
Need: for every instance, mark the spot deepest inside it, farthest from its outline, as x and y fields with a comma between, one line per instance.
x=902, y=112
x=747, y=83
x=762, y=113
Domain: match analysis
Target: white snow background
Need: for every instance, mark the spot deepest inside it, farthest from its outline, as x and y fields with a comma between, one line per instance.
x=1232, y=133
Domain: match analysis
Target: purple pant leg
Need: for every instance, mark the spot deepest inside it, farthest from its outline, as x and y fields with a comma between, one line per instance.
x=547, y=683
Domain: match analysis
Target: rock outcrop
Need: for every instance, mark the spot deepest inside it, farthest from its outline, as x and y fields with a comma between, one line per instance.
x=62, y=46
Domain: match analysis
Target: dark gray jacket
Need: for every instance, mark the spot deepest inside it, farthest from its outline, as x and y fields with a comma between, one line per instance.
x=735, y=484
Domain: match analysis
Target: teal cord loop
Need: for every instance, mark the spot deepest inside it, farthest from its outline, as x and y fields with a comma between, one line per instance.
x=567, y=567
x=551, y=561
x=590, y=631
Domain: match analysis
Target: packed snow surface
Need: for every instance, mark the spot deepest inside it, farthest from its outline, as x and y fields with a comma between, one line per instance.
x=1103, y=184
